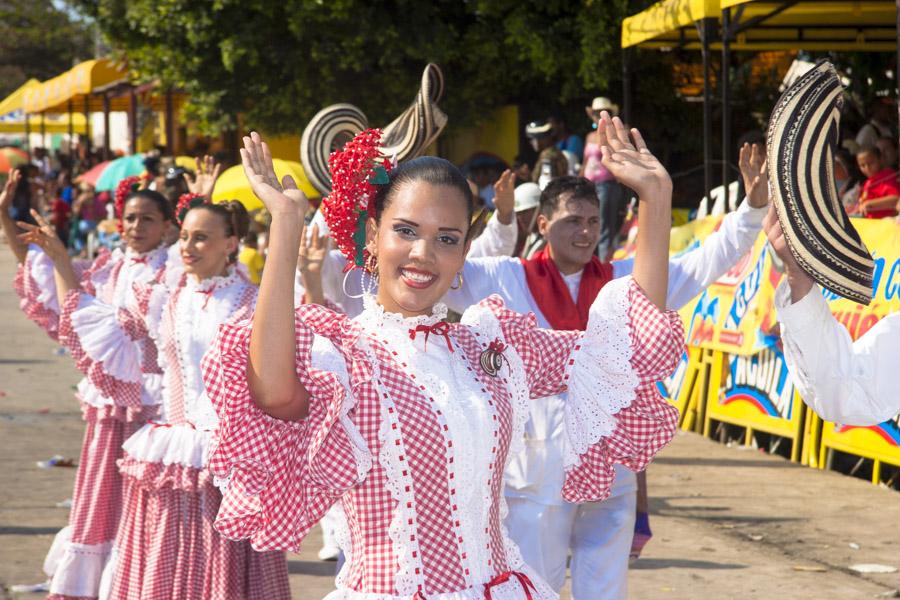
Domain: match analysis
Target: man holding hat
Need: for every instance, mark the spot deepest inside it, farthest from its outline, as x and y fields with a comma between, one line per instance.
x=853, y=383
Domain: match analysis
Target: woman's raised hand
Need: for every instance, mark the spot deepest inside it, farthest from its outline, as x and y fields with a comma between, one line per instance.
x=632, y=164
x=44, y=235
x=9, y=189
x=752, y=161
x=205, y=177
x=313, y=249
x=279, y=198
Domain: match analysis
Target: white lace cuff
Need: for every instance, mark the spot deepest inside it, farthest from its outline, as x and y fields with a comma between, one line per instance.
x=104, y=341
x=601, y=379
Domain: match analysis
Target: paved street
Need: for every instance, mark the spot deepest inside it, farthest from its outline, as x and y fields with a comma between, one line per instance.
x=728, y=522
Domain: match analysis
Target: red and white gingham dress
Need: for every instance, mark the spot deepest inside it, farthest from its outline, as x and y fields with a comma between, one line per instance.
x=410, y=426
x=121, y=389
x=166, y=547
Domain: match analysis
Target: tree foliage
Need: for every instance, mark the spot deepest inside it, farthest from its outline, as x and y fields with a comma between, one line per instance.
x=277, y=63
x=38, y=39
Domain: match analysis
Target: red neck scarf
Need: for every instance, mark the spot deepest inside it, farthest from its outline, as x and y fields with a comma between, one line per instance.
x=552, y=294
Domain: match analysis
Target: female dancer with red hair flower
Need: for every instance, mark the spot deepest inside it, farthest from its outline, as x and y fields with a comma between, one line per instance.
x=121, y=388
x=165, y=546
x=406, y=419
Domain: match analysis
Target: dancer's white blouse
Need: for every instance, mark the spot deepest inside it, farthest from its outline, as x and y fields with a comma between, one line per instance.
x=410, y=425
x=851, y=383
x=178, y=317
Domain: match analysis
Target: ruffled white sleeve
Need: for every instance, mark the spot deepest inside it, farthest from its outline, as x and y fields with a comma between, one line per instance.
x=104, y=343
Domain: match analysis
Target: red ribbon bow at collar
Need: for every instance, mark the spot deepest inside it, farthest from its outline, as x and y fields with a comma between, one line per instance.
x=440, y=328
x=502, y=578
x=208, y=294
x=140, y=260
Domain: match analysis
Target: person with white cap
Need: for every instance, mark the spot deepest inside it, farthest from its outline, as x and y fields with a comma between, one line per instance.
x=528, y=200
x=551, y=161
x=612, y=195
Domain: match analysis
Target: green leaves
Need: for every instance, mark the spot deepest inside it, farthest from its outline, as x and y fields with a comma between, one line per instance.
x=277, y=63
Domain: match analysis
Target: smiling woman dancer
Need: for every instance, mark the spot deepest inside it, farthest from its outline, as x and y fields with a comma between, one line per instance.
x=165, y=546
x=406, y=419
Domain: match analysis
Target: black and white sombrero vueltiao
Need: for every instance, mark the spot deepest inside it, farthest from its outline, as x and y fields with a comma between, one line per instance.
x=802, y=135
x=404, y=138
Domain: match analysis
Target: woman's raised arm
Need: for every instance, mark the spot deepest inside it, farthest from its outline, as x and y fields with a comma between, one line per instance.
x=633, y=165
x=271, y=370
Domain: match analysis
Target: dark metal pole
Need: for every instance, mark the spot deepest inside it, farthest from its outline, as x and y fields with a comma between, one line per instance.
x=43, y=132
x=627, y=57
x=87, y=125
x=725, y=82
x=132, y=118
x=705, y=32
x=71, y=130
x=170, y=124
x=106, y=153
x=27, y=132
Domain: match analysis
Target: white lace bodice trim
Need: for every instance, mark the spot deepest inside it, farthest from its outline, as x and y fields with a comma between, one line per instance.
x=374, y=316
x=198, y=310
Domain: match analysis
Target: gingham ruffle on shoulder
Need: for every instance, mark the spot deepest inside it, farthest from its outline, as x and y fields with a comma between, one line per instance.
x=281, y=476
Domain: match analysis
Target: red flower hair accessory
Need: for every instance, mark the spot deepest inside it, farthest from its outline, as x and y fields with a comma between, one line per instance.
x=355, y=171
x=185, y=203
x=126, y=187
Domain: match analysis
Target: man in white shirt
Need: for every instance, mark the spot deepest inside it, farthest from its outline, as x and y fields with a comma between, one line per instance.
x=545, y=527
x=847, y=382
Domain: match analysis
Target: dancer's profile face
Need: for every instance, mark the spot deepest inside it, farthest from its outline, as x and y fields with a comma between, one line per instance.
x=205, y=244
x=420, y=244
x=572, y=232
x=143, y=225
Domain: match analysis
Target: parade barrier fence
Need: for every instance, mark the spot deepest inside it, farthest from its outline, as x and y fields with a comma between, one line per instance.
x=734, y=370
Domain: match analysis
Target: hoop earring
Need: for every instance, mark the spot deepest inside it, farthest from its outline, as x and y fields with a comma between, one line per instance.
x=368, y=279
x=344, y=285
x=459, y=276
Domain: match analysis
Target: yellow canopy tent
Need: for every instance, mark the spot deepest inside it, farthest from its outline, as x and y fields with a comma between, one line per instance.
x=100, y=85
x=14, y=102
x=854, y=25
x=12, y=115
x=756, y=25
x=73, y=90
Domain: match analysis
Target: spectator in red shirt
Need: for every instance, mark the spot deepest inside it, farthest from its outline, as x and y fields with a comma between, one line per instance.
x=880, y=191
x=60, y=212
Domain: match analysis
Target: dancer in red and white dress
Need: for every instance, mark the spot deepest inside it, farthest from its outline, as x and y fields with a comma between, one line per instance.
x=408, y=420
x=166, y=547
x=121, y=388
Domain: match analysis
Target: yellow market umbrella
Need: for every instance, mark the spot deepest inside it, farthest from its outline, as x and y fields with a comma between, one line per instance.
x=186, y=162
x=233, y=185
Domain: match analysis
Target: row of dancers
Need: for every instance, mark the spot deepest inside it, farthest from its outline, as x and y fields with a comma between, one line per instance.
x=467, y=459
